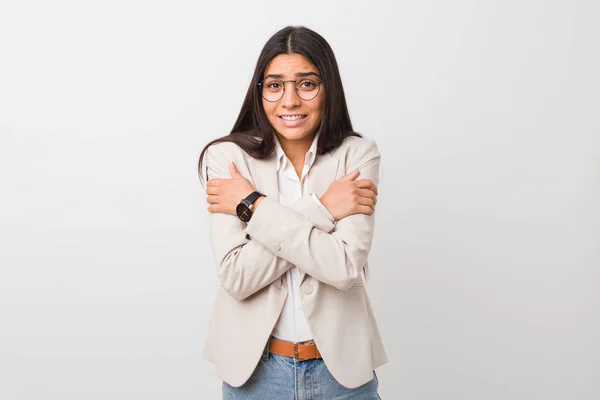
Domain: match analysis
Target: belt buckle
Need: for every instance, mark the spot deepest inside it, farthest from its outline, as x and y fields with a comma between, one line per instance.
x=296, y=354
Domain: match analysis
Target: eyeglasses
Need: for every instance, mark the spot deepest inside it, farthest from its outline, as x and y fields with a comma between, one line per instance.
x=272, y=89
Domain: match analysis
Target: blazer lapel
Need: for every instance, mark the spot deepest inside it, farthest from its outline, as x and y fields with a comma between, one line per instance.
x=264, y=176
x=322, y=173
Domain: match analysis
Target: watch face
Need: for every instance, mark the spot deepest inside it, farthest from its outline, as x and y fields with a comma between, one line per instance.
x=243, y=212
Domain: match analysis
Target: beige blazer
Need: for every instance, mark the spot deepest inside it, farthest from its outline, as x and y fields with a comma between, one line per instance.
x=252, y=259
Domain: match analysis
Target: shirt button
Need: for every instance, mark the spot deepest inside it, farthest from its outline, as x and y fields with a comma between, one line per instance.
x=277, y=247
x=307, y=289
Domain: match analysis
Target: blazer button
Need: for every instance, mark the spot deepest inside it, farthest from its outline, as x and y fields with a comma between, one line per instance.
x=277, y=247
x=307, y=289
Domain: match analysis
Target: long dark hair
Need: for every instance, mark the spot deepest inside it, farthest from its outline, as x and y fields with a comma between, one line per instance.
x=252, y=130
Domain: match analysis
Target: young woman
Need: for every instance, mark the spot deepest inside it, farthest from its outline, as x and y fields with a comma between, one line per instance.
x=291, y=195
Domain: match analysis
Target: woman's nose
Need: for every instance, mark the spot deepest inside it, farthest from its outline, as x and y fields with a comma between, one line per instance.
x=290, y=98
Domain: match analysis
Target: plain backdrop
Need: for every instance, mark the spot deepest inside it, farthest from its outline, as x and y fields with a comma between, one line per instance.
x=485, y=263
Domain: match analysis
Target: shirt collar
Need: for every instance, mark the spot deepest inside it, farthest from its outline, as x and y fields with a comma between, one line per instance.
x=282, y=159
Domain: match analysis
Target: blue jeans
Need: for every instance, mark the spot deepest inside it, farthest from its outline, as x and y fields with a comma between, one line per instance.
x=281, y=378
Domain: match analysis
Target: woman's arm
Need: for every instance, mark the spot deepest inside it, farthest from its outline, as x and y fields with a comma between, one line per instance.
x=245, y=266
x=335, y=258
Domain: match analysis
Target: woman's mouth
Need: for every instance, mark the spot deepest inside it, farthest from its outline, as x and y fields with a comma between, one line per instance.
x=293, y=119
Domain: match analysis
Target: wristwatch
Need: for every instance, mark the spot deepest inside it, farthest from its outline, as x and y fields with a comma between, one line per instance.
x=244, y=209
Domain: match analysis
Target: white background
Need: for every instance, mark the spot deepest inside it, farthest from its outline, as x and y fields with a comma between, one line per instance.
x=485, y=265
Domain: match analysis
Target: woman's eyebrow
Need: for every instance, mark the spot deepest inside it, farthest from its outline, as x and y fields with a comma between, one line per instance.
x=298, y=74
x=303, y=74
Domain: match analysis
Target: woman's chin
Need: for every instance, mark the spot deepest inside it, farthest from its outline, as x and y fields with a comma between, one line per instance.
x=294, y=134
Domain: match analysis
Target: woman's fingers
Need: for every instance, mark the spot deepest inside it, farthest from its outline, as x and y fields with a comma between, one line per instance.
x=212, y=199
x=214, y=182
x=366, y=201
x=368, y=194
x=350, y=177
x=366, y=184
x=364, y=210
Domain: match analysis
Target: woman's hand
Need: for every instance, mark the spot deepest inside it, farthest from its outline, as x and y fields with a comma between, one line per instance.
x=348, y=196
x=225, y=194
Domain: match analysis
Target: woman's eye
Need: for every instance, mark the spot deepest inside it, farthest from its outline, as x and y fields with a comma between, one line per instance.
x=274, y=85
x=307, y=84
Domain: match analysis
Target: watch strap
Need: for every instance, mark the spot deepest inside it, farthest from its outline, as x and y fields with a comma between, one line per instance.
x=252, y=197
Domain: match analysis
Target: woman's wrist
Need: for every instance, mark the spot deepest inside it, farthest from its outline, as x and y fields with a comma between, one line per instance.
x=322, y=207
x=257, y=203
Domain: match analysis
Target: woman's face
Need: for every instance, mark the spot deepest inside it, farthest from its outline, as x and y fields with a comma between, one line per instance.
x=293, y=118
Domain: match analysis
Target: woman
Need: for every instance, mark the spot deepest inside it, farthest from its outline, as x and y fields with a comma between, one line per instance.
x=291, y=195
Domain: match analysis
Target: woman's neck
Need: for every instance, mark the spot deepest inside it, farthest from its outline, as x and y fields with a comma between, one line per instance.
x=296, y=150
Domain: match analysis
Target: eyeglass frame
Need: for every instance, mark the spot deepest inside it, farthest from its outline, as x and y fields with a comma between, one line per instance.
x=260, y=85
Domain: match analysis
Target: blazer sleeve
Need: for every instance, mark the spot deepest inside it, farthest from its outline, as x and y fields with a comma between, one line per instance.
x=244, y=265
x=333, y=257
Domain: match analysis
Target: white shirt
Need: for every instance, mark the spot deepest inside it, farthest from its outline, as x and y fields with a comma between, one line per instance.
x=292, y=324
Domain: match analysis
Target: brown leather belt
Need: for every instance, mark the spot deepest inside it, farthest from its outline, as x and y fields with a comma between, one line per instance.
x=298, y=351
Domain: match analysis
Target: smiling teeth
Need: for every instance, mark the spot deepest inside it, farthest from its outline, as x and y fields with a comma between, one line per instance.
x=292, y=117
